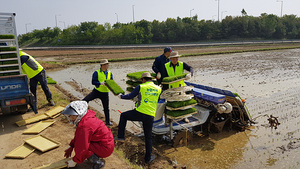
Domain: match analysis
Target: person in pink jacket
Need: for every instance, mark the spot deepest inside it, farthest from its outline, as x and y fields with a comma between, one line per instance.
x=92, y=140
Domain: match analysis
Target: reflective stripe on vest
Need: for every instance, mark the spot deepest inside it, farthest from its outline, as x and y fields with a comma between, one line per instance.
x=31, y=67
x=178, y=71
x=149, y=93
x=102, y=78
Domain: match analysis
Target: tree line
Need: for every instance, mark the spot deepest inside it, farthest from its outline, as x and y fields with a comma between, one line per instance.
x=188, y=29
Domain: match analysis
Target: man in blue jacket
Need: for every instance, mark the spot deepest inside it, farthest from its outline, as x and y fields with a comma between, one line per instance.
x=159, y=64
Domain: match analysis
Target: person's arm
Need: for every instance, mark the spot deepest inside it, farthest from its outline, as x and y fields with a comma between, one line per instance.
x=131, y=95
x=24, y=59
x=188, y=68
x=82, y=143
x=154, y=66
x=95, y=80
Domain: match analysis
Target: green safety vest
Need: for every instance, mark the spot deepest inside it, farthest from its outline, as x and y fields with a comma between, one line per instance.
x=171, y=72
x=148, y=98
x=102, y=78
x=31, y=67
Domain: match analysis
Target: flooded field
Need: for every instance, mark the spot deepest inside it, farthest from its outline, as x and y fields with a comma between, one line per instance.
x=270, y=83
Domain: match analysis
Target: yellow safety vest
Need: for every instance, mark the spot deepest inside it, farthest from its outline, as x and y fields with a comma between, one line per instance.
x=102, y=78
x=171, y=72
x=31, y=67
x=149, y=95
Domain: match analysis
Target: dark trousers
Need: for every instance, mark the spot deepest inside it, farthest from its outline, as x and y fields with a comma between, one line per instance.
x=42, y=78
x=104, y=99
x=147, y=121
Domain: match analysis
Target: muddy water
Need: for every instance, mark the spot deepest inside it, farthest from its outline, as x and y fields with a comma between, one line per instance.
x=270, y=83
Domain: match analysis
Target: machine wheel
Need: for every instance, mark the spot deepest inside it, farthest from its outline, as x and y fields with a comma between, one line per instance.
x=182, y=138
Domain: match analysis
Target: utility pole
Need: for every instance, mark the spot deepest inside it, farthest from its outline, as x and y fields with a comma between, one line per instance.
x=133, y=12
x=218, y=9
x=56, y=20
x=281, y=6
x=117, y=17
x=191, y=12
x=26, y=26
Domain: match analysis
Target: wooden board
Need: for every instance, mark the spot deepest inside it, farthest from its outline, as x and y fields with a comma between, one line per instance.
x=42, y=143
x=20, y=152
x=54, y=111
x=32, y=119
x=39, y=127
x=56, y=165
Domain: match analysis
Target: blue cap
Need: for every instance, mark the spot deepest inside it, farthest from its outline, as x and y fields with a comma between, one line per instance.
x=168, y=49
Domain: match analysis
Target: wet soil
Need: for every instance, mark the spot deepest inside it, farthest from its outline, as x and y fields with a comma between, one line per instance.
x=269, y=81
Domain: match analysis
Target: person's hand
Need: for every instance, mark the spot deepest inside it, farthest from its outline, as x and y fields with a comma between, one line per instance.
x=119, y=95
x=158, y=75
x=71, y=163
x=102, y=83
x=68, y=152
x=188, y=76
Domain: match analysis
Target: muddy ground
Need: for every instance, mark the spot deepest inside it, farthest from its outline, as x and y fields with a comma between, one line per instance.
x=269, y=81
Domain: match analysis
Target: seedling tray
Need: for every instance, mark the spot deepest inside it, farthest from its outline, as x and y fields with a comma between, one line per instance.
x=42, y=143
x=114, y=87
x=21, y=152
x=39, y=127
x=180, y=113
x=173, y=79
x=181, y=108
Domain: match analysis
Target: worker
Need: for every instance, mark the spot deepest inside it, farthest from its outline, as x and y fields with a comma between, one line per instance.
x=148, y=94
x=101, y=90
x=159, y=64
x=92, y=140
x=175, y=67
x=36, y=73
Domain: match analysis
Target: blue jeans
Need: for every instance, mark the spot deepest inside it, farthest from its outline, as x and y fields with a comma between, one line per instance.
x=147, y=121
x=42, y=78
x=104, y=99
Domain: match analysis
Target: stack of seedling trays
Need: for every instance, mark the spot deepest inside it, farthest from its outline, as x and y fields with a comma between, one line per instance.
x=114, y=87
x=179, y=104
x=134, y=79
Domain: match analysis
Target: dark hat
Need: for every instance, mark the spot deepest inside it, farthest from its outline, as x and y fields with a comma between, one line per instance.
x=168, y=49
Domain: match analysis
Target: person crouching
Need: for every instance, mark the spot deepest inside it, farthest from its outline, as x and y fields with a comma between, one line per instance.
x=92, y=140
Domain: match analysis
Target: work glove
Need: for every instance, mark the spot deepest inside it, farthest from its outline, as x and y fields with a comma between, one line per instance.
x=71, y=163
x=158, y=75
x=102, y=83
x=68, y=152
x=119, y=95
x=188, y=76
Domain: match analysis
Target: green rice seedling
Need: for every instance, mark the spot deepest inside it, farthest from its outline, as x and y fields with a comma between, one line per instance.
x=7, y=36
x=8, y=49
x=177, y=113
x=173, y=78
x=114, y=87
x=136, y=75
x=132, y=83
x=177, y=104
x=49, y=81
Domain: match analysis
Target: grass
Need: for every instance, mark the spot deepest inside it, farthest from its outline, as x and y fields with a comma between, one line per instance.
x=173, y=78
x=177, y=104
x=177, y=113
x=114, y=87
x=10, y=36
x=136, y=75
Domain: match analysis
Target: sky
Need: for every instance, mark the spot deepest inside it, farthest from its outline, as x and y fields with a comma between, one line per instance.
x=40, y=14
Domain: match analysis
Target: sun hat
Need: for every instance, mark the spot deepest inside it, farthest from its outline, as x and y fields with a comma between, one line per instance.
x=146, y=74
x=103, y=61
x=77, y=108
x=174, y=54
